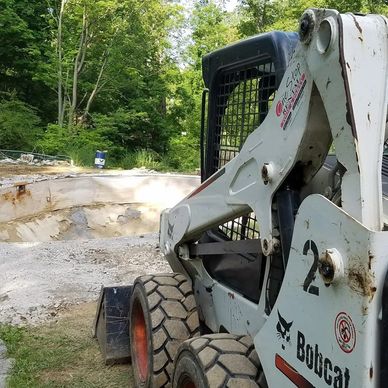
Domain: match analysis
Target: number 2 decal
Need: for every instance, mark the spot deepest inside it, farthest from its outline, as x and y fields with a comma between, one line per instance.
x=311, y=246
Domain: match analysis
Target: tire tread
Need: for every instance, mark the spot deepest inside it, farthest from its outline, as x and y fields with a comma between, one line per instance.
x=235, y=361
x=166, y=306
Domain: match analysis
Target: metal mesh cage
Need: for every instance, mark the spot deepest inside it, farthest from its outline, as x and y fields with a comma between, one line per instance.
x=241, y=228
x=243, y=99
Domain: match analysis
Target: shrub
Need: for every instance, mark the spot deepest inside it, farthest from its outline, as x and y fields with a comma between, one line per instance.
x=19, y=125
x=54, y=141
x=142, y=158
x=79, y=143
x=132, y=129
x=184, y=154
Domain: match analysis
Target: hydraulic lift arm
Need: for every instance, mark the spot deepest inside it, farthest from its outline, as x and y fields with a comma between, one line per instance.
x=335, y=89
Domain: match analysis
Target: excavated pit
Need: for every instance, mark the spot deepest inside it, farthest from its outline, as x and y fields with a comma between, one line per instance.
x=88, y=207
x=61, y=239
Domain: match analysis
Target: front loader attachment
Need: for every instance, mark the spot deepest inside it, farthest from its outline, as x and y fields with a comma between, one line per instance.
x=111, y=324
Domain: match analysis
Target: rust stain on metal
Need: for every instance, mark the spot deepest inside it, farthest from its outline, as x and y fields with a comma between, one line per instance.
x=8, y=196
x=20, y=193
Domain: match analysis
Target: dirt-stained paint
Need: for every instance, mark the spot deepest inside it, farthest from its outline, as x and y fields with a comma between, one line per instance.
x=349, y=105
x=361, y=281
x=356, y=24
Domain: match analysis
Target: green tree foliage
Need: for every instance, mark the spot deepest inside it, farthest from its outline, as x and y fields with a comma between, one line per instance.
x=19, y=124
x=267, y=15
x=257, y=15
x=123, y=75
x=211, y=28
x=24, y=38
x=116, y=73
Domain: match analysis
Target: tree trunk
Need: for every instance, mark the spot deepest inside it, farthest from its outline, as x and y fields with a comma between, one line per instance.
x=64, y=99
x=60, y=65
x=78, y=63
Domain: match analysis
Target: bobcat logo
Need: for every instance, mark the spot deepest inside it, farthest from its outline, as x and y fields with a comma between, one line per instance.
x=283, y=330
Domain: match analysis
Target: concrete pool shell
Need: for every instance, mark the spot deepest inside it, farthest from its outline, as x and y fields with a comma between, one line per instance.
x=61, y=239
x=88, y=206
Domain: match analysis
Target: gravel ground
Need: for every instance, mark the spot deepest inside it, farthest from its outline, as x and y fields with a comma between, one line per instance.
x=36, y=174
x=38, y=280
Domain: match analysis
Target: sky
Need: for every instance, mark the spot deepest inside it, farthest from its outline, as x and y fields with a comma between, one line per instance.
x=230, y=5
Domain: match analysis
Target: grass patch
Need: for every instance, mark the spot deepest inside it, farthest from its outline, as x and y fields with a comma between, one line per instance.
x=141, y=158
x=61, y=354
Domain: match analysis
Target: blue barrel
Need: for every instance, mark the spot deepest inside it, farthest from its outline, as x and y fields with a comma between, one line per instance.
x=99, y=160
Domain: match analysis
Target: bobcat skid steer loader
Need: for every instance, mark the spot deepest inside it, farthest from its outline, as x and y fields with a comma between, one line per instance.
x=280, y=256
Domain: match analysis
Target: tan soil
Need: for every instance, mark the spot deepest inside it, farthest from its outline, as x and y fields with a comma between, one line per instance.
x=7, y=170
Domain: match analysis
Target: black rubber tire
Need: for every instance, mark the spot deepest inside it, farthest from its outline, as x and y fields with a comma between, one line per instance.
x=217, y=361
x=163, y=314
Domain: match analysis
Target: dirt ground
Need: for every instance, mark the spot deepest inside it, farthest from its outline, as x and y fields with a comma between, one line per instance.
x=11, y=174
x=7, y=170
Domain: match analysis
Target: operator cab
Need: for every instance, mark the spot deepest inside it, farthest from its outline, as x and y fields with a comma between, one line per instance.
x=241, y=81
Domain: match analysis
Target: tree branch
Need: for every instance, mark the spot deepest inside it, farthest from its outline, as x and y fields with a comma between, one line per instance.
x=97, y=87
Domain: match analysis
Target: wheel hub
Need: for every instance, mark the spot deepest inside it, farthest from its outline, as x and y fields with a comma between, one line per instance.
x=140, y=341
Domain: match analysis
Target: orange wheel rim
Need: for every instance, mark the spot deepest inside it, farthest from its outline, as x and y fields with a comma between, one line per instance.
x=140, y=341
x=188, y=383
